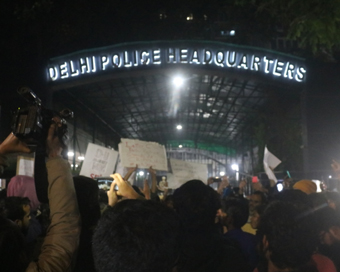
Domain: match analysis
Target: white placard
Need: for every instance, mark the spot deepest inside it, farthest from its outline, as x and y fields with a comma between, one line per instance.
x=99, y=161
x=184, y=171
x=144, y=154
x=25, y=166
x=270, y=161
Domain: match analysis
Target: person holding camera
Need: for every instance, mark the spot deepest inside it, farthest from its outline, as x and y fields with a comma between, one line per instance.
x=61, y=241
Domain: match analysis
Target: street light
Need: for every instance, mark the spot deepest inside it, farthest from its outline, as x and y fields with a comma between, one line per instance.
x=179, y=127
x=235, y=167
x=178, y=81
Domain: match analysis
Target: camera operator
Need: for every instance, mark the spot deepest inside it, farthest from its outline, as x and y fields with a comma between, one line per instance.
x=61, y=241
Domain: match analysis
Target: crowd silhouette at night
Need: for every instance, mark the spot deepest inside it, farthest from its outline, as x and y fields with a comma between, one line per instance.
x=193, y=228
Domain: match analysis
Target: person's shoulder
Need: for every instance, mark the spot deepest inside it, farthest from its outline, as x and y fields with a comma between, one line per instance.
x=233, y=259
x=230, y=244
x=249, y=235
x=323, y=263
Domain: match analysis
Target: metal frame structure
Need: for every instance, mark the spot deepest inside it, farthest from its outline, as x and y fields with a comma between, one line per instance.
x=217, y=110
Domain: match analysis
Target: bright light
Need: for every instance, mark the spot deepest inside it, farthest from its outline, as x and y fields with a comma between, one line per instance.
x=190, y=17
x=279, y=187
x=70, y=154
x=81, y=158
x=178, y=81
x=222, y=174
x=76, y=165
x=141, y=173
x=232, y=33
x=180, y=146
x=330, y=177
x=179, y=127
x=318, y=185
x=235, y=167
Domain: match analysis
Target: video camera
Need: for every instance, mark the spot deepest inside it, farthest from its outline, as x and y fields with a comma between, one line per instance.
x=31, y=124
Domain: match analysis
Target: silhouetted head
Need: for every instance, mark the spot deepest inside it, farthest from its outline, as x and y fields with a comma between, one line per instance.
x=137, y=235
x=196, y=204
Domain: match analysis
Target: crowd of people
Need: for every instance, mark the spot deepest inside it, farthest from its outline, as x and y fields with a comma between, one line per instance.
x=193, y=229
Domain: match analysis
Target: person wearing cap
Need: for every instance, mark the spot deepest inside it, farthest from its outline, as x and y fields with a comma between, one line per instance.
x=306, y=186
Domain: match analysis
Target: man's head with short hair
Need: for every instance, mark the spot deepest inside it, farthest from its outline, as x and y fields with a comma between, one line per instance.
x=287, y=236
x=237, y=212
x=256, y=217
x=256, y=199
x=16, y=209
x=12, y=247
x=296, y=197
x=328, y=225
x=136, y=235
x=88, y=201
x=14, y=222
x=196, y=204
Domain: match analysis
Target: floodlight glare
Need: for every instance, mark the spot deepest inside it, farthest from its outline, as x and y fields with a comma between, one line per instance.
x=180, y=146
x=222, y=173
x=179, y=127
x=141, y=173
x=70, y=154
x=235, y=167
x=81, y=158
x=178, y=81
x=232, y=33
x=330, y=177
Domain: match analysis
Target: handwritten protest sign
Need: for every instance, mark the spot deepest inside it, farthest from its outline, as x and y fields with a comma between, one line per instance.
x=184, y=171
x=99, y=161
x=144, y=154
x=25, y=166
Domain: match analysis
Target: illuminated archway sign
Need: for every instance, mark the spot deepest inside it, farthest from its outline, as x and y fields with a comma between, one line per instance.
x=164, y=53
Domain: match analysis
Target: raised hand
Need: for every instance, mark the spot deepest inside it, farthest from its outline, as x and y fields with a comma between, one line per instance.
x=210, y=181
x=152, y=171
x=223, y=184
x=130, y=171
x=12, y=144
x=53, y=144
x=242, y=185
x=336, y=167
x=146, y=189
x=112, y=195
x=124, y=188
x=257, y=186
x=153, y=180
